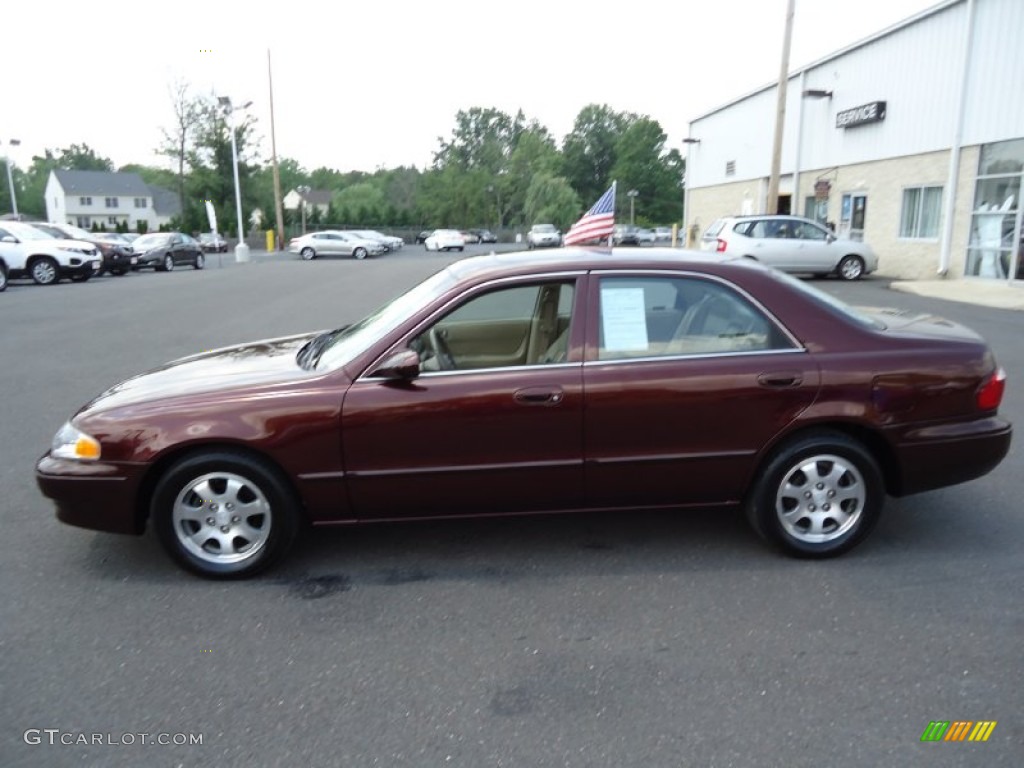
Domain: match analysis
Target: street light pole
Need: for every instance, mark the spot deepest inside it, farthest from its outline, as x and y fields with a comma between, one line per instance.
x=10, y=178
x=303, y=191
x=632, y=198
x=242, y=249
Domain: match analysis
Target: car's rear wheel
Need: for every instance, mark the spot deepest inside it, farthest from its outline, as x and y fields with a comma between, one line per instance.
x=851, y=267
x=200, y=261
x=222, y=514
x=359, y=253
x=3, y=278
x=307, y=254
x=818, y=495
x=44, y=271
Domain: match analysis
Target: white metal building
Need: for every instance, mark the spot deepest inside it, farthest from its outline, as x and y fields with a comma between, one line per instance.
x=912, y=140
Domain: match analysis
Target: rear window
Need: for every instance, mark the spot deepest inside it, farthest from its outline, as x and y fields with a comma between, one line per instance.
x=715, y=228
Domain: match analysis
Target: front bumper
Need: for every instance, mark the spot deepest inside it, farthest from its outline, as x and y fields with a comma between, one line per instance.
x=86, y=267
x=97, y=495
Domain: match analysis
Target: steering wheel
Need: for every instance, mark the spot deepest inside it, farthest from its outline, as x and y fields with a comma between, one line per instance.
x=439, y=346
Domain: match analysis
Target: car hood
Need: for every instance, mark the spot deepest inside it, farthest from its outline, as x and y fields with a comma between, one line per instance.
x=255, y=364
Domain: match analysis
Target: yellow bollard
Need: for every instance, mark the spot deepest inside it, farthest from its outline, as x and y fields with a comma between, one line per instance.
x=270, y=241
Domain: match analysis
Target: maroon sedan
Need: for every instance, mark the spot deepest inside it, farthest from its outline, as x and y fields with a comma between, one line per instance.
x=517, y=384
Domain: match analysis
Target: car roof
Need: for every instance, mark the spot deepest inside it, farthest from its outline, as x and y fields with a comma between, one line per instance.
x=512, y=263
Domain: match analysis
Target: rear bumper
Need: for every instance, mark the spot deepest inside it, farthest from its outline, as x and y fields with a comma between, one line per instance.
x=939, y=456
x=94, y=495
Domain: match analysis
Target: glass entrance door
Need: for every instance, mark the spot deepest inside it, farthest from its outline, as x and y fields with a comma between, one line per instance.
x=853, y=215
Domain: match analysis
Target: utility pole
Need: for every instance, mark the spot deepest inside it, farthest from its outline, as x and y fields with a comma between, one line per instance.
x=278, y=210
x=780, y=113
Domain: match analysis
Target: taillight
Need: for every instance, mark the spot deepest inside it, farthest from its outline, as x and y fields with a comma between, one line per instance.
x=991, y=393
x=722, y=245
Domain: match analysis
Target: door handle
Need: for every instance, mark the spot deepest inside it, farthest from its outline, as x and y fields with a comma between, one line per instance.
x=780, y=379
x=539, y=396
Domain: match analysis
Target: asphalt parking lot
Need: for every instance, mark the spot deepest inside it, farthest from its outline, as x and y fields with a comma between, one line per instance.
x=651, y=639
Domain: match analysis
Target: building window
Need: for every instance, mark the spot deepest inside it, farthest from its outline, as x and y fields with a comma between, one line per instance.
x=83, y=222
x=85, y=201
x=140, y=202
x=996, y=241
x=730, y=168
x=112, y=221
x=922, y=208
x=111, y=202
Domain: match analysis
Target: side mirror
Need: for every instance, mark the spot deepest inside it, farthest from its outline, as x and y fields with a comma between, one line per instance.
x=402, y=365
x=830, y=238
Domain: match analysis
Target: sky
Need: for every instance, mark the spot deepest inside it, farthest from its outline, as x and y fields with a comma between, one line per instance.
x=359, y=86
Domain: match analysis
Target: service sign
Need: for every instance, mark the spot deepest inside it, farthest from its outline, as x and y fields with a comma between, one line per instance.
x=873, y=112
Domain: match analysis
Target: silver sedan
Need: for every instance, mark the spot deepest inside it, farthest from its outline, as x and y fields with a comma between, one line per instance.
x=334, y=243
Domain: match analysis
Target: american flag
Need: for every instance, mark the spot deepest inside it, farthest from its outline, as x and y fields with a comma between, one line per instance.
x=598, y=222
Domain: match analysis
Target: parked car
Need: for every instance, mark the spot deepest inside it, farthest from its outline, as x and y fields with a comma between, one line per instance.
x=444, y=240
x=483, y=236
x=790, y=243
x=566, y=382
x=3, y=275
x=333, y=242
x=391, y=243
x=117, y=255
x=543, y=236
x=165, y=250
x=29, y=252
x=625, y=234
x=644, y=236
x=663, y=234
x=212, y=242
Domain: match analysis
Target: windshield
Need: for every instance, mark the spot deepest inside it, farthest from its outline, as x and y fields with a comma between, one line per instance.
x=544, y=228
x=25, y=232
x=151, y=241
x=356, y=338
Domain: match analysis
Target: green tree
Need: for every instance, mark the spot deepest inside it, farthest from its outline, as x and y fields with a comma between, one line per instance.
x=364, y=198
x=589, y=151
x=552, y=199
x=640, y=165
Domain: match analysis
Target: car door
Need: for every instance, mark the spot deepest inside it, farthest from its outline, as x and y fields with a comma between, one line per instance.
x=686, y=379
x=178, y=249
x=500, y=432
x=813, y=247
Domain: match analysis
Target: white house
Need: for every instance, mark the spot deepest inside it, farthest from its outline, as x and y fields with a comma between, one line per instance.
x=912, y=139
x=84, y=198
x=319, y=199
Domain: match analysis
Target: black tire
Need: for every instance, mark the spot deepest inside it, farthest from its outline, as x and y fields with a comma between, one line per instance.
x=166, y=264
x=3, y=278
x=850, y=267
x=359, y=253
x=254, y=539
x=307, y=254
x=44, y=271
x=822, y=480
x=461, y=248
x=200, y=262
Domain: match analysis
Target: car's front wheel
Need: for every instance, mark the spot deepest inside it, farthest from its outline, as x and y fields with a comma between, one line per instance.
x=168, y=263
x=223, y=514
x=851, y=267
x=45, y=271
x=818, y=495
x=3, y=278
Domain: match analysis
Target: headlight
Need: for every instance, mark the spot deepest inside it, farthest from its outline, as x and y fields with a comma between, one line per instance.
x=71, y=443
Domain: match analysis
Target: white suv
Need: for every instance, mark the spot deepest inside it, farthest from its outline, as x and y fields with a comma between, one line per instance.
x=790, y=243
x=28, y=252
